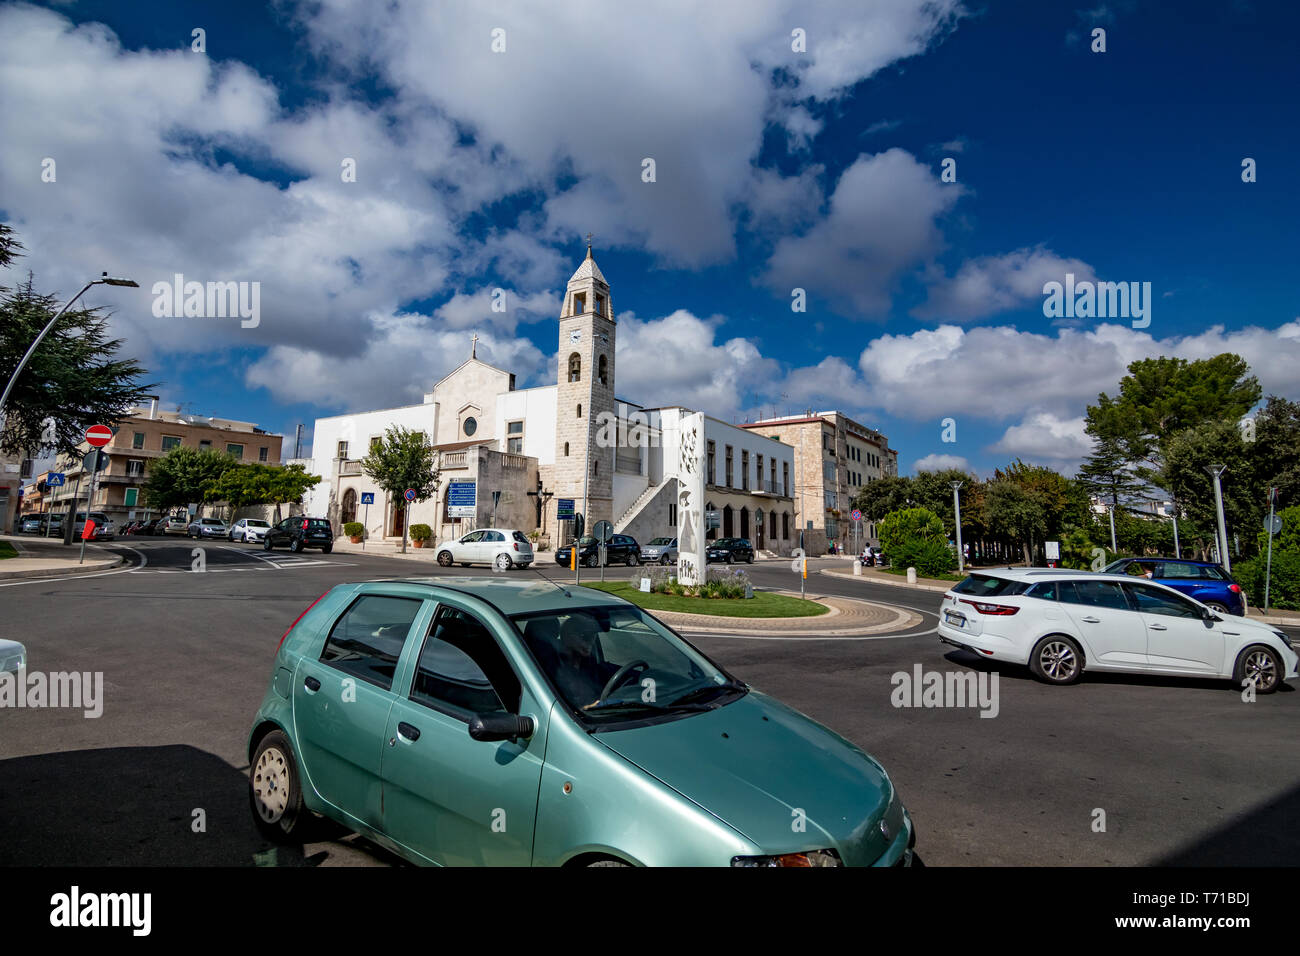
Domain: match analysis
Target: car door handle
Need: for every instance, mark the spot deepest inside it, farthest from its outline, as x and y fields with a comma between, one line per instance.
x=1157, y=627
x=312, y=684
x=1091, y=620
x=409, y=731
x=1233, y=633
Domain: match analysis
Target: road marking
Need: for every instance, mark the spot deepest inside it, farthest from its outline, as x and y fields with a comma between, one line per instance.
x=93, y=574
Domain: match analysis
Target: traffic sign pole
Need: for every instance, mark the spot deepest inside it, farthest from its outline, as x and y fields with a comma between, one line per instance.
x=1268, y=566
x=90, y=498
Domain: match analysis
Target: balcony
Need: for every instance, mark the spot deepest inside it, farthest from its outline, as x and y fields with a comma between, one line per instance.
x=770, y=488
x=453, y=459
x=350, y=467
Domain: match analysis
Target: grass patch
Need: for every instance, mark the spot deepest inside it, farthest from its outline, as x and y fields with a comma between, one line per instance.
x=902, y=572
x=7, y=550
x=762, y=604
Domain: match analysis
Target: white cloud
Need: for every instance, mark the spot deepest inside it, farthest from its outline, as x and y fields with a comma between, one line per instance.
x=941, y=463
x=992, y=284
x=1044, y=438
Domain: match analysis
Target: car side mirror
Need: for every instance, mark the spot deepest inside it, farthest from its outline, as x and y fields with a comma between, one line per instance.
x=1208, y=615
x=488, y=727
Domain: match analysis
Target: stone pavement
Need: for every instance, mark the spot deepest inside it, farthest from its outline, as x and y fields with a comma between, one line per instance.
x=50, y=557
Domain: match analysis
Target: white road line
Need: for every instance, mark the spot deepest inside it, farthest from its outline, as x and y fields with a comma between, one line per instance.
x=82, y=577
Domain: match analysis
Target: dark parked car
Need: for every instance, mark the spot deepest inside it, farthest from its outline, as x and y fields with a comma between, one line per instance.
x=1204, y=581
x=621, y=549
x=298, y=533
x=151, y=527
x=731, y=550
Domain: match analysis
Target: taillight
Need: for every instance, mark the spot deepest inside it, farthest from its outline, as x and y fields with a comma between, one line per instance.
x=296, y=620
x=1003, y=610
x=516, y=545
x=1234, y=588
x=304, y=524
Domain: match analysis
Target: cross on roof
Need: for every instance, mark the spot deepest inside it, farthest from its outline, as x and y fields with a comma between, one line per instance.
x=473, y=346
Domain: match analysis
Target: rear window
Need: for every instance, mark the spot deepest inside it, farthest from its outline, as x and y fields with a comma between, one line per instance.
x=519, y=536
x=1182, y=571
x=317, y=523
x=659, y=542
x=987, y=586
x=254, y=523
x=212, y=521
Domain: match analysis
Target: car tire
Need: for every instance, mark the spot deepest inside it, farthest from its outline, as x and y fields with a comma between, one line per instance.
x=266, y=543
x=664, y=559
x=731, y=559
x=750, y=559
x=633, y=559
x=1217, y=608
x=295, y=545
x=1056, y=659
x=503, y=562
x=592, y=561
x=327, y=549
x=608, y=863
x=444, y=559
x=274, y=791
x=1259, y=660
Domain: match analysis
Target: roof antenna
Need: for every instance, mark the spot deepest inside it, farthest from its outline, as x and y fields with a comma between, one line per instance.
x=538, y=572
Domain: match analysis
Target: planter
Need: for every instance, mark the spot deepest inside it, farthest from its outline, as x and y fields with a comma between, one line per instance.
x=355, y=539
x=420, y=544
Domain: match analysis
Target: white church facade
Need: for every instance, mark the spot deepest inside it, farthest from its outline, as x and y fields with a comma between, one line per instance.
x=573, y=440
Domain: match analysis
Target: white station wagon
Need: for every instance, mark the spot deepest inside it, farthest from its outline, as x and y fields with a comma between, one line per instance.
x=503, y=548
x=1061, y=623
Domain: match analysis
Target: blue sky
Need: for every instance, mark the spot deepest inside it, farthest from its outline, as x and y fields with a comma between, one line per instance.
x=775, y=170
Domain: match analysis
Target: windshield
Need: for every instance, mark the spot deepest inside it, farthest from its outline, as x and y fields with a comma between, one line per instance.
x=661, y=541
x=582, y=651
x=586, y=541
x=253, y=523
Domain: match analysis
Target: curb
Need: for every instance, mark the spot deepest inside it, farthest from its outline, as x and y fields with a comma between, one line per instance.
x=900, y=617
x=102, y=564
x=876, y=580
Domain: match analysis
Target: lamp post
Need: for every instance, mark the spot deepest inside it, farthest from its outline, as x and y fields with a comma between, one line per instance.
x=1216, y=472
x=1114, y=548
x=956, y=509
x=104, y=279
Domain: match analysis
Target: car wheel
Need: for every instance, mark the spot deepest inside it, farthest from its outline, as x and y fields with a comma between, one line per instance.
x=633, y=560
x=664, y=559
x=731, y=559
x=444, y=558
x=266, y=543
x=327, y=549
x=750, y=558
x=1217, y=608
x=503, y=562
x=608, y=863
x=295, y=545
x=1261, y=666
x=1056, y=660
x=591, y=561
x=274, y=793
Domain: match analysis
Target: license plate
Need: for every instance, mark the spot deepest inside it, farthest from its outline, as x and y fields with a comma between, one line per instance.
x=957, y=620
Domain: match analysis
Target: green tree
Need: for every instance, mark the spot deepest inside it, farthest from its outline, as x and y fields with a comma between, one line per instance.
x=75, y=378
x=878, y=498
x=1186, y=456
x=909, y=524
x=1276, y=450
x=184, y=476
x=253, y=483
x=1017, y=512
x=933, y=490
x=401, y=460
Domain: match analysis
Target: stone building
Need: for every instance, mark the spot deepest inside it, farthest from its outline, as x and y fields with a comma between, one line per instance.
x=834, y=456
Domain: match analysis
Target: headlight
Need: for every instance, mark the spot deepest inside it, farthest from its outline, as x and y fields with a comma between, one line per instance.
x=1284, y=639
x=810, y=858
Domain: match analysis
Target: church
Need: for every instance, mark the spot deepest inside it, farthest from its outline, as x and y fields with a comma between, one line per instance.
x=527, y=458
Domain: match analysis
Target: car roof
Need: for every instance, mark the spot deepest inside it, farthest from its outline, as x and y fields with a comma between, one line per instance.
x=1195, y=561
x=1048, y=574
x=513, y=596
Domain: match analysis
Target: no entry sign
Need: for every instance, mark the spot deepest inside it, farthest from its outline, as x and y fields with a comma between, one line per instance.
x=99, y=435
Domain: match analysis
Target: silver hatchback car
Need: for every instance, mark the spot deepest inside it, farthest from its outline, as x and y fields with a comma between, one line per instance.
x=659, y=551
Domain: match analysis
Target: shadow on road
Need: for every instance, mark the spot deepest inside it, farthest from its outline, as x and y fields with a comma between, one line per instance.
x=1269, y=835
x=135, y=806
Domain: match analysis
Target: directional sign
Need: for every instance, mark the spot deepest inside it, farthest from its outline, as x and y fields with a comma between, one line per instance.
x=56, y=479
x=603, y=530
x=1273, y=524
x=367, y=497
x=99, y=435
x=855, y=514
x=462, y=499
x=409, y=494
x=564, y=509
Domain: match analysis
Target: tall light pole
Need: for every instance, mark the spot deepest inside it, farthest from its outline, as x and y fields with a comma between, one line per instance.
x=956, y=509
x=1113, y=546
x=1216, y=472
x=104, y=279
x=1173, y=513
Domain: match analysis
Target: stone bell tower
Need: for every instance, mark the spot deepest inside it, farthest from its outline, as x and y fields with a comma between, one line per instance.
x=585, y=397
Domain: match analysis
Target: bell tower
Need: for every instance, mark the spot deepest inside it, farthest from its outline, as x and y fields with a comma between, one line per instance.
x=585, y=406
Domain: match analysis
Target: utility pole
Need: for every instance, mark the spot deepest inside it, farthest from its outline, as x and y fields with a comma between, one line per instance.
x=956, y=509
x=1268, y=566
x=1113, y=546
x=1216, y=472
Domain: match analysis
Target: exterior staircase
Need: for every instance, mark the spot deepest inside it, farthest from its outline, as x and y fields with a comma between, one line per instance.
x=645, y=498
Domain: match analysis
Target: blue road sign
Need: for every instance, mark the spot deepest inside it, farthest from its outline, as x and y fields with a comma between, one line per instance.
x=55, y=479
x=409, y=494
x=462, y=499
x=564, y=509
x=367, y=497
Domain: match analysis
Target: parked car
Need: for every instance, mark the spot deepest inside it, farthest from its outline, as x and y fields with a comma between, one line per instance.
x=660, y=550
x=151, y=527
x=207, y=528
x=1203, y=580
x=503, y=548
x=730, y=550
x=482, y=700
x=621, y=549
x=1061, y=623
x=176, y=524
x=32, y=524
x=298, y=533
x=248, y=529
x=13, y=657
x=103, y=526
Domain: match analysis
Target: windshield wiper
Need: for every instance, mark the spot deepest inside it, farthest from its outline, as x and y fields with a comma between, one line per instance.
x=708, y=688
x=641, y=705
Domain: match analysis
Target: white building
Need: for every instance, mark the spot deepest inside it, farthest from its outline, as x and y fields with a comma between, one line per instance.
x=531, y=445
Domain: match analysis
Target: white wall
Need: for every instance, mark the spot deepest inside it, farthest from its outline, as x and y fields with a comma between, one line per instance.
x=536, y=406
x=741, y=439
x=357, y=430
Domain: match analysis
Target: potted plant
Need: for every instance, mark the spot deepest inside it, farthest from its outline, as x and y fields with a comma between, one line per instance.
x=420, y=534
x=354, y=530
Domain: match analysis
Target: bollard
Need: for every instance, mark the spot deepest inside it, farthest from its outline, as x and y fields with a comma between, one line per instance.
x=911, y=575
x=857, y=567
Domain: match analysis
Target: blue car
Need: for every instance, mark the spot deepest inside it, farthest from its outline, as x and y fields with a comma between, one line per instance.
x=1205, y=581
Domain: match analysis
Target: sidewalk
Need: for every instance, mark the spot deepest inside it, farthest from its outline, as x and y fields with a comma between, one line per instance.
x=49, y=558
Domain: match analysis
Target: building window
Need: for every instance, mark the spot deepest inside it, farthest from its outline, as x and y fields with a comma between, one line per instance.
x=514, y=446
x=137, y=440
x=205, y=444
x=566, y=449
x=579, y=409
x=785, y=525
x=131, y=497
x=235, y=451
x=772, y=525
x=744, y=469
x=343, y=450
x=134, y=467
x=729, y=468
x=575, y=367
x=672, y=514
x=785, y=478
x=600, y=305
x=758, y=473
x=25, y=470
x=262, y=453
x=711, y=476
x=470, y=426
x=514, y=428
x=375, y=443
x=169, y=442
x=602, y=371
x=579, y=303
x=515, y=438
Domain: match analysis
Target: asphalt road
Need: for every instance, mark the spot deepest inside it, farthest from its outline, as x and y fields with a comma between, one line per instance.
x=1185, y=772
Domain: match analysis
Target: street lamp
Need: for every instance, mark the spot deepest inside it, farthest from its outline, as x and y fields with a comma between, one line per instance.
x=1216, y=472
x=956, y=509
x=104, y=279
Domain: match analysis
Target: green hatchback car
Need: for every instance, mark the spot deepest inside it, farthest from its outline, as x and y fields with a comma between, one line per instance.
x=500, y=722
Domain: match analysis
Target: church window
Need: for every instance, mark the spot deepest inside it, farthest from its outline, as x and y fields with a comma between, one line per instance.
x=566, y=449
x=602, y=373
x=600, y=305
x=575, y=367
x=471, y=426
x=579, y=410
x=579, y=303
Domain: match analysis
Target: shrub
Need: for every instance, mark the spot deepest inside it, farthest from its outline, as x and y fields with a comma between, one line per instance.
x=909, y=523
x=719, y=583
x=1284, y=593
x=930, y=556
x=353, y=529
x=421, y=532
